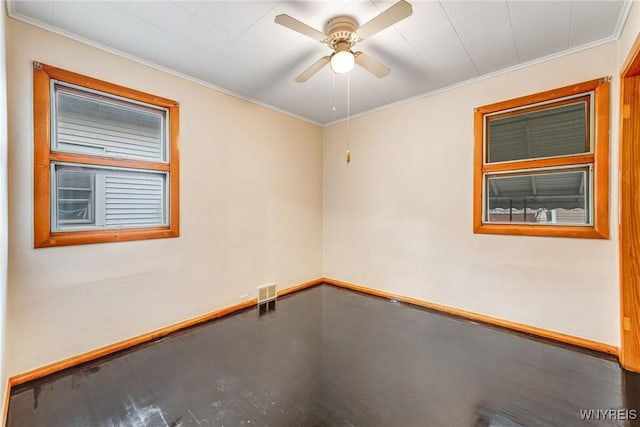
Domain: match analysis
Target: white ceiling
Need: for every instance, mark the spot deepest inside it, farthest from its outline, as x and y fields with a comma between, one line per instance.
x=236, y=46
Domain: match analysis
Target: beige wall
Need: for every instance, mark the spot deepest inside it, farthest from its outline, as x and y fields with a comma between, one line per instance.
x=399, y=218
x=251, y=206
x=3, y=206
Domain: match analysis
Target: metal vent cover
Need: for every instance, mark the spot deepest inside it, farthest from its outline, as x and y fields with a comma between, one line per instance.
x=267, y=293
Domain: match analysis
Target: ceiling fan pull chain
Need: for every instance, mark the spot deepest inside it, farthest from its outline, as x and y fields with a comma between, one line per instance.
x=333, y=95
x=348, y=118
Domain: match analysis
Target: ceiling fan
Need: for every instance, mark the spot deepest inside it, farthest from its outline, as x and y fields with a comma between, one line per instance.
x=342, y=33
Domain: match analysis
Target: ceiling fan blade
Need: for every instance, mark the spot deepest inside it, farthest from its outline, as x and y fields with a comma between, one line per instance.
x=371, y=65
x=300, y=27
x=394, y=14
x=306, y=74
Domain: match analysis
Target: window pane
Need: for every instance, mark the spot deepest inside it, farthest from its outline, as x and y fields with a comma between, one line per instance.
x=97, y=198
x=74, y=201
x=548, y=131
x=88, y=123
x=548, y=197
x=74, y=212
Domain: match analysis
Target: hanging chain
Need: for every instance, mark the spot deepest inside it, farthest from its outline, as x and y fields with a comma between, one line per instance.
x=333, y=95
x=348, y=118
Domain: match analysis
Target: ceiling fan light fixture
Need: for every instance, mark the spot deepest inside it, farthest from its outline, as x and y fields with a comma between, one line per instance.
x=341, y=34
x=342, y=61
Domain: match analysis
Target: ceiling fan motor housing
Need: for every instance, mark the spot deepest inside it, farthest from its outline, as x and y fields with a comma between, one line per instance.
x=341, y=32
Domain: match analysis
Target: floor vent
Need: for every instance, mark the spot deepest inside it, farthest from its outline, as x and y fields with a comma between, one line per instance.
x=267, y=295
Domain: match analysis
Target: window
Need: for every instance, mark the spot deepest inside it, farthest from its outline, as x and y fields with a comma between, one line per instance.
x=106, y=161
x=541, y=163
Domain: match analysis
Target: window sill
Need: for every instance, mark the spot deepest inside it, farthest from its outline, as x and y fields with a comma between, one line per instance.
x=69, y=238
x=587, y=232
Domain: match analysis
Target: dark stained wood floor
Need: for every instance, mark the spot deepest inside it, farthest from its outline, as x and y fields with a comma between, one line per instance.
x=331, y=357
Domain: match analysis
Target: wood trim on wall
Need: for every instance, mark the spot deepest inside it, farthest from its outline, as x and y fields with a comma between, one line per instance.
x=599, y=158
x=532, y=330
x=300, y=287
x=523, y=101
x=631, y=66
x=41, y=177
x=5, y=410
x=478, y=161
x=629, y=225
x=541, y=163
x=44, y=235
x=174, y=171
x=150, y=336
x=141, y=339
x=122, y=345
x=601, y=163
x=103, y=86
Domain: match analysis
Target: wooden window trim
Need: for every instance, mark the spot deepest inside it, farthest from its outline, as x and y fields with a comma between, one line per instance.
x=599, y=157
x=43, y=157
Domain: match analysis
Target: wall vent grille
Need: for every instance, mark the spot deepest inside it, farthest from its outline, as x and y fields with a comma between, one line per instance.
x=267, y=293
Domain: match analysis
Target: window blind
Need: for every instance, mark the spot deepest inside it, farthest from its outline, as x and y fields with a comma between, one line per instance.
x=555, y=132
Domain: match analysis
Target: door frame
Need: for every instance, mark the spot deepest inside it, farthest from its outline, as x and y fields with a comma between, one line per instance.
x=629, y=226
